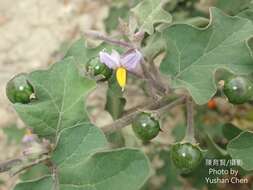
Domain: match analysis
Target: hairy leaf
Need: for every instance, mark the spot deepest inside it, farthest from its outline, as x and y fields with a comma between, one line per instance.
x=82, y=167
x=195, y=54
x=34, y=172
x=232, y=6
x=248, y=13
x=59, y=104
x=82, y=53
x=230, y=131
x=241, y=148
x=150, y=13
x=112, y=21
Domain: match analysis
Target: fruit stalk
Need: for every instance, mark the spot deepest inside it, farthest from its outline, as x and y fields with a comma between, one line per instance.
x=153, y=83
x=99, y=36
x=189, y=135
x=128, y=119
x=159, y=112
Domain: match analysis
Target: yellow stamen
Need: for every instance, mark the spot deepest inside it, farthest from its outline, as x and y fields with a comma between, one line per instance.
x=121, y=75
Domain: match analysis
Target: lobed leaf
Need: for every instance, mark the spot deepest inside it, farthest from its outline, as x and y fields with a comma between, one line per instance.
x=81, y=166
x=232, y=6
x=112, y=20
x=59, y=104
x=241, y=148
x=82, y=53
x=248, y=13
x=195, y=54
x=150, y=13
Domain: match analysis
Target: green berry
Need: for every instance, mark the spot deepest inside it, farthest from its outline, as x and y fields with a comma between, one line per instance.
x=186, y=156
x=145, y=127
x=99, y=68
x=19, y=90
x=238, y=90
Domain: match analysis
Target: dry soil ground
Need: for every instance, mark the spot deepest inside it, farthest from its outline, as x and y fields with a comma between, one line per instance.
x=32, y=32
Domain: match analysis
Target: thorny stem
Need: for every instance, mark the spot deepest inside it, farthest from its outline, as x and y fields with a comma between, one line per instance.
x=189, y=135
x=128, y=119
x=99, y=36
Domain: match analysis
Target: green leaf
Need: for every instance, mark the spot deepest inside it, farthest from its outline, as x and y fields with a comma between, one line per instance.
x=241, y=148
x=41, y=184
x=59, y=104
x=214, y=147
x=230, y=131
x=178, y=132
x=248, y=13
x=115, y=102
x=82, y=167
x=150, y=13
x=35, y=172
x=116, y=139
x=193, y=59
x=82, y=53
x=153, y=46
x=232, y=6
x=112, y=21
x=76, y=144
x=168, y=171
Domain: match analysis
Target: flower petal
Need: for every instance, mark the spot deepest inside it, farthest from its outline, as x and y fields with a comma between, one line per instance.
x=116, y=55
x=131, y=60
x=111, y=61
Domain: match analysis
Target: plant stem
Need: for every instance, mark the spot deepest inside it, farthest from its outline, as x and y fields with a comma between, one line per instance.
x=29, y=165
x=8, y=165
x=128, y=119
x=99, y=36
x=166, y=108
x=153, y=83
x=55, y=175
x=138, y=107
x=189, y=135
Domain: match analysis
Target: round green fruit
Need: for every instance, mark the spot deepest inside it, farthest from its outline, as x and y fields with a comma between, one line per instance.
x=19, y=90
x=99, y=68
x=238, y=90
x=145, y=127
x=186, y=156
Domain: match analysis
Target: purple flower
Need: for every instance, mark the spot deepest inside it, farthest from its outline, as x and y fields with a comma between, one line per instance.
x=130, y=61
x=110, y=60
x=29, y=137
